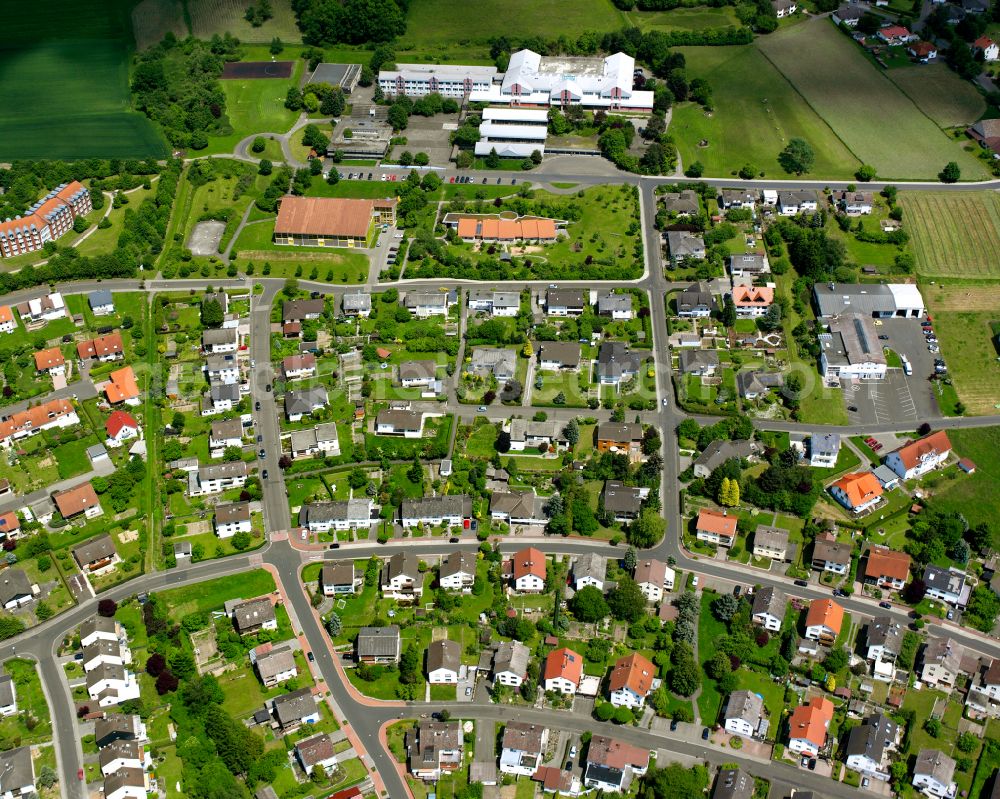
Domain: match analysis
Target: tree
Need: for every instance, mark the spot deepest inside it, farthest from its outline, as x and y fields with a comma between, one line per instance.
x=265, y=167
x=10, y=626
x=748, y=172
x=866, y=173
x=398, y=116
x=695, y=170
x=107, y=608
x=276, y=46
x=409, y=665
x=836, y=659
x=572, y=432
x=951, y=173
x=241, y=541
x=334, y=625
x=728, y=317
x=967, y=742
x=623, y=715
x=588, y=604
x=626, y=601
x=211, y=313
x=47, y=777
x=724, y=607
x=797, y=157
x=293, y=99
x=493, y=160
x=604, y=711
x=258, y=144
x=415, y=474
x=933, y=727
x=630, y=559
x=166, y=682
x=685, y=676
x=155, y=664
x=645, y=531
x=984, y=605
x=719, y=667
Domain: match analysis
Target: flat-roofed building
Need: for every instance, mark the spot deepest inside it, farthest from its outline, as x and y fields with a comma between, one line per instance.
x=330, y=221
x=448, y=80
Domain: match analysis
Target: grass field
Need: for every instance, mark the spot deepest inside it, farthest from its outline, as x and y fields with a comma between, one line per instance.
x=849, y=93
x=940, y=93
x=971, y=495
x=685, y=19
x=218, y=16
x=255, y=244
x=955, y=234
x=435, y=23
x=214, y=594
x=62, y=111
x=751, y=95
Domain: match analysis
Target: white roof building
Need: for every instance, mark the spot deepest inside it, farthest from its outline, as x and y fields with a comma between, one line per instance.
x=513, y=132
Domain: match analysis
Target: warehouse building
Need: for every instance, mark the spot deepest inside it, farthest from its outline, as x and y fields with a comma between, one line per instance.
x=877, y=300
x=330, y=221
x=850, y=349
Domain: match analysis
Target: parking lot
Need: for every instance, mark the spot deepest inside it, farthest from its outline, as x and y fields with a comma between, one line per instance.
x=898, y=398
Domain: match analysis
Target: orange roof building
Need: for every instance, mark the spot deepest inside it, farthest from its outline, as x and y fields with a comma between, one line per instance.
x=563, y=670
x=106, y=348
x=752, y=301
x=122, y=387
x=716, y=527
x=920, y=456
x=46, y=220
x=330, y=221
x=824, y=620
x=494, y=228
x=631, y=681
x=55, y=413
x=857, y=491
x=50, y=360
x=7, y=322
x=528, y=570
x=887, y=567
x=81, y=499
x=9, y=525
x=808, y=725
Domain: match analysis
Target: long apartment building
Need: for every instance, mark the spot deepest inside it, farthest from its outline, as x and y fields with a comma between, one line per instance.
x=46, y=220
x=448, y=80
x=31, y=421
x=513, y=132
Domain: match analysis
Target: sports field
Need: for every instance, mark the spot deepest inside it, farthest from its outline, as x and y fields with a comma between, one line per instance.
x=66, y=94
x=963, y=319
x=869, y=113
x=940, y=93
x=954, y=234
x=756, y=113
x=685, y=19
x=443, y=23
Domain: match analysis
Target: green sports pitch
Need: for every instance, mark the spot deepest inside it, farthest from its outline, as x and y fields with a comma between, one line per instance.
x=64, y=84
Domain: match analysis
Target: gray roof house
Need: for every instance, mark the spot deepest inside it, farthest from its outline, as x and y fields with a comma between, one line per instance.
x=101, y=302
x=553, y=355
x=696, y=300
x=885, y=636
x=616, y=363
x=15, y=588
x=378, y=644
x=564, y=302
x=718, y=452
x=698, y=362
x=754, y=384
x=615, y=305
x=622, y=501
x=683, y=203
x=17, y=772
x=500, y=362
x=733, y=783
x=685, y=246
x=358, y=303
x=768, y=607
x=292, y=709
x=303, y=402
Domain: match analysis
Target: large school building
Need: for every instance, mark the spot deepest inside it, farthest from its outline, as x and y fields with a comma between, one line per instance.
x=45, y=221
x=330, y=221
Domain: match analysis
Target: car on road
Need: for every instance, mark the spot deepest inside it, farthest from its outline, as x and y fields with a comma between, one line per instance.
x=877, y=323
x=883, y=338
x=665, y=402
x=263, y=474
x=261, y=453
x=886, y=605
x=267, y=388
x=704, y=734
x=572, y=751
x=801, y=583
x=312, y=657
x=260, y=438
x=452, y=179
x=673, y=725
x=468, y=691
x=253, y=363
x=482, y=409
x=453, y=540
x=335, y=545
x=839, y=592
x=79, y=773
x=256, y=405
x=852, y=408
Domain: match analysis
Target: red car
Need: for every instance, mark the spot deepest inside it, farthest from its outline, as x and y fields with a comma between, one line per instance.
x=79, y=773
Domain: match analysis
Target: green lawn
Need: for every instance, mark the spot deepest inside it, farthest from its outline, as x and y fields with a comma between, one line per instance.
x=105, y=241
x=698, y=18
x=751, y=95
x=255, y=106
x=481, y=442
x=955, y=234
x=940, y=93
x=13, y=730
x=213, y=594
x=710, y=630
x=917, y=147
x=972, y=495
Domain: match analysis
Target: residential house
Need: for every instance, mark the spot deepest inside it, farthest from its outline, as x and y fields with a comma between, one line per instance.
x=948, y=585
x=100, y=653
x=632, y=679
x=321, y=441
x=458, y=572
x=305, y=401
x=755, y=384
x=921, y=456
x=743, y=713
x=110, y=684
x=894, y=35
x=696, y=301
x=522, y=748
x=357, y=303
x=857, y=491
x=941, y=662
x=718, y=452
x=97, y=555
x=118, y=727
x=784, y=8
x=8, y=324
x=218, y=477
x=252, y=615
x=831, y=555
x=883, y=639
x=528, y=571
x=768, y=608
x=50, y=360
x=824, y=621
x=8, y=696
x=616, y=364
x=496, y=361
x=100, y=628
x=770, y=542
x=434, y=748
x=274, y=664
x=414, y=374
x=589, y=569
x=401, y=578
x=451, y=510
x=715, y=527
x=317, y=750
x=120, y=427
x=223, y=434
x=444, y=662
x=653, y=577
x=622, y=501
x=423, y=304
x=222, y=368
x=15, y=589
x=808, y=725
x=301, y=310
x=684, y=246
x=924, y=52
x=752, y=302
x=623, y=438
x=43, y=309
x=297, y=367
x=612, y=764
x=983, y=698
x=791, y=203
x=510, y=663
x=934, y=774
x=232, y=518
x=751, y=265
x=126, y=783
x=340, y=515
x=701, y=363
x=526, y=434
x=122, y=387
x=867, y=746
x=10, y=525
x=17, y=773
x=220, y=340
x=886, y=567
x=824, y=448
x=563, y=671
x=987, y=47
x=737, y=198
x=555, y=356
x=617, y=306
x=848, y=15
x=733, y=783
x=31, y=421
x=398, y=422
x=294, y=709
x=339, y=578
x=517, y=507
x=682, y=203
x=379, y=644
x=854, y=203
x=564, y=302
x=103, y=348
x=221, y=398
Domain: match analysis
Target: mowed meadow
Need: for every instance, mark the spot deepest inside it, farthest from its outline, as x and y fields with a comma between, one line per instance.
x=955, y=234
x=64, y=83
x=869, y=113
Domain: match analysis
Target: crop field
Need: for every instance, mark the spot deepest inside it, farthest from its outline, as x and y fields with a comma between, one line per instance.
x=70, y=91
x=870, y=114
x=940, y=93
x=955, y=234
x=151, y=19
x=963, y=320
x=218, y=16
x=756, y=112
x=685, y=19
x=440, y=23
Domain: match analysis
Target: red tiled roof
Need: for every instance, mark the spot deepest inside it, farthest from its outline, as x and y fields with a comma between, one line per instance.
x=529, y=561
x=564, y=663
x=933, y=444
x=324, y=216
x=122, y=385
x=633, y=672
x=35, y=417
x=117, y=421
x=101, y=346
x=860, y=487
x=827, y=613
x=811, y=721
x=885, y=562
x=713, y=521
x=76, y=500
x=47, y=359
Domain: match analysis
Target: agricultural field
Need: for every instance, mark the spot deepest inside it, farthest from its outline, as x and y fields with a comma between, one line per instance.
x=685, y=19
x=940, y=93
x=64, y=112
x=751, y=95
x=850, y=94
x=965, y=318
x=152, y=19
x=954, y=234
x=209, y=17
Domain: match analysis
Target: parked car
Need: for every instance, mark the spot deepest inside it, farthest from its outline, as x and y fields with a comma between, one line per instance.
x=704, y=734
x=335, y=545
x=263, y=474
x=883, y=338
x=737, y=589
x=453, y=540
x=572, y=751
x=256, y=405
x=951, y=615
x=312, y=657
x=886, y=605
x=801, y=583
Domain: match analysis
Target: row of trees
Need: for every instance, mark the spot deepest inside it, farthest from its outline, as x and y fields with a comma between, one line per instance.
x=352, y=21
